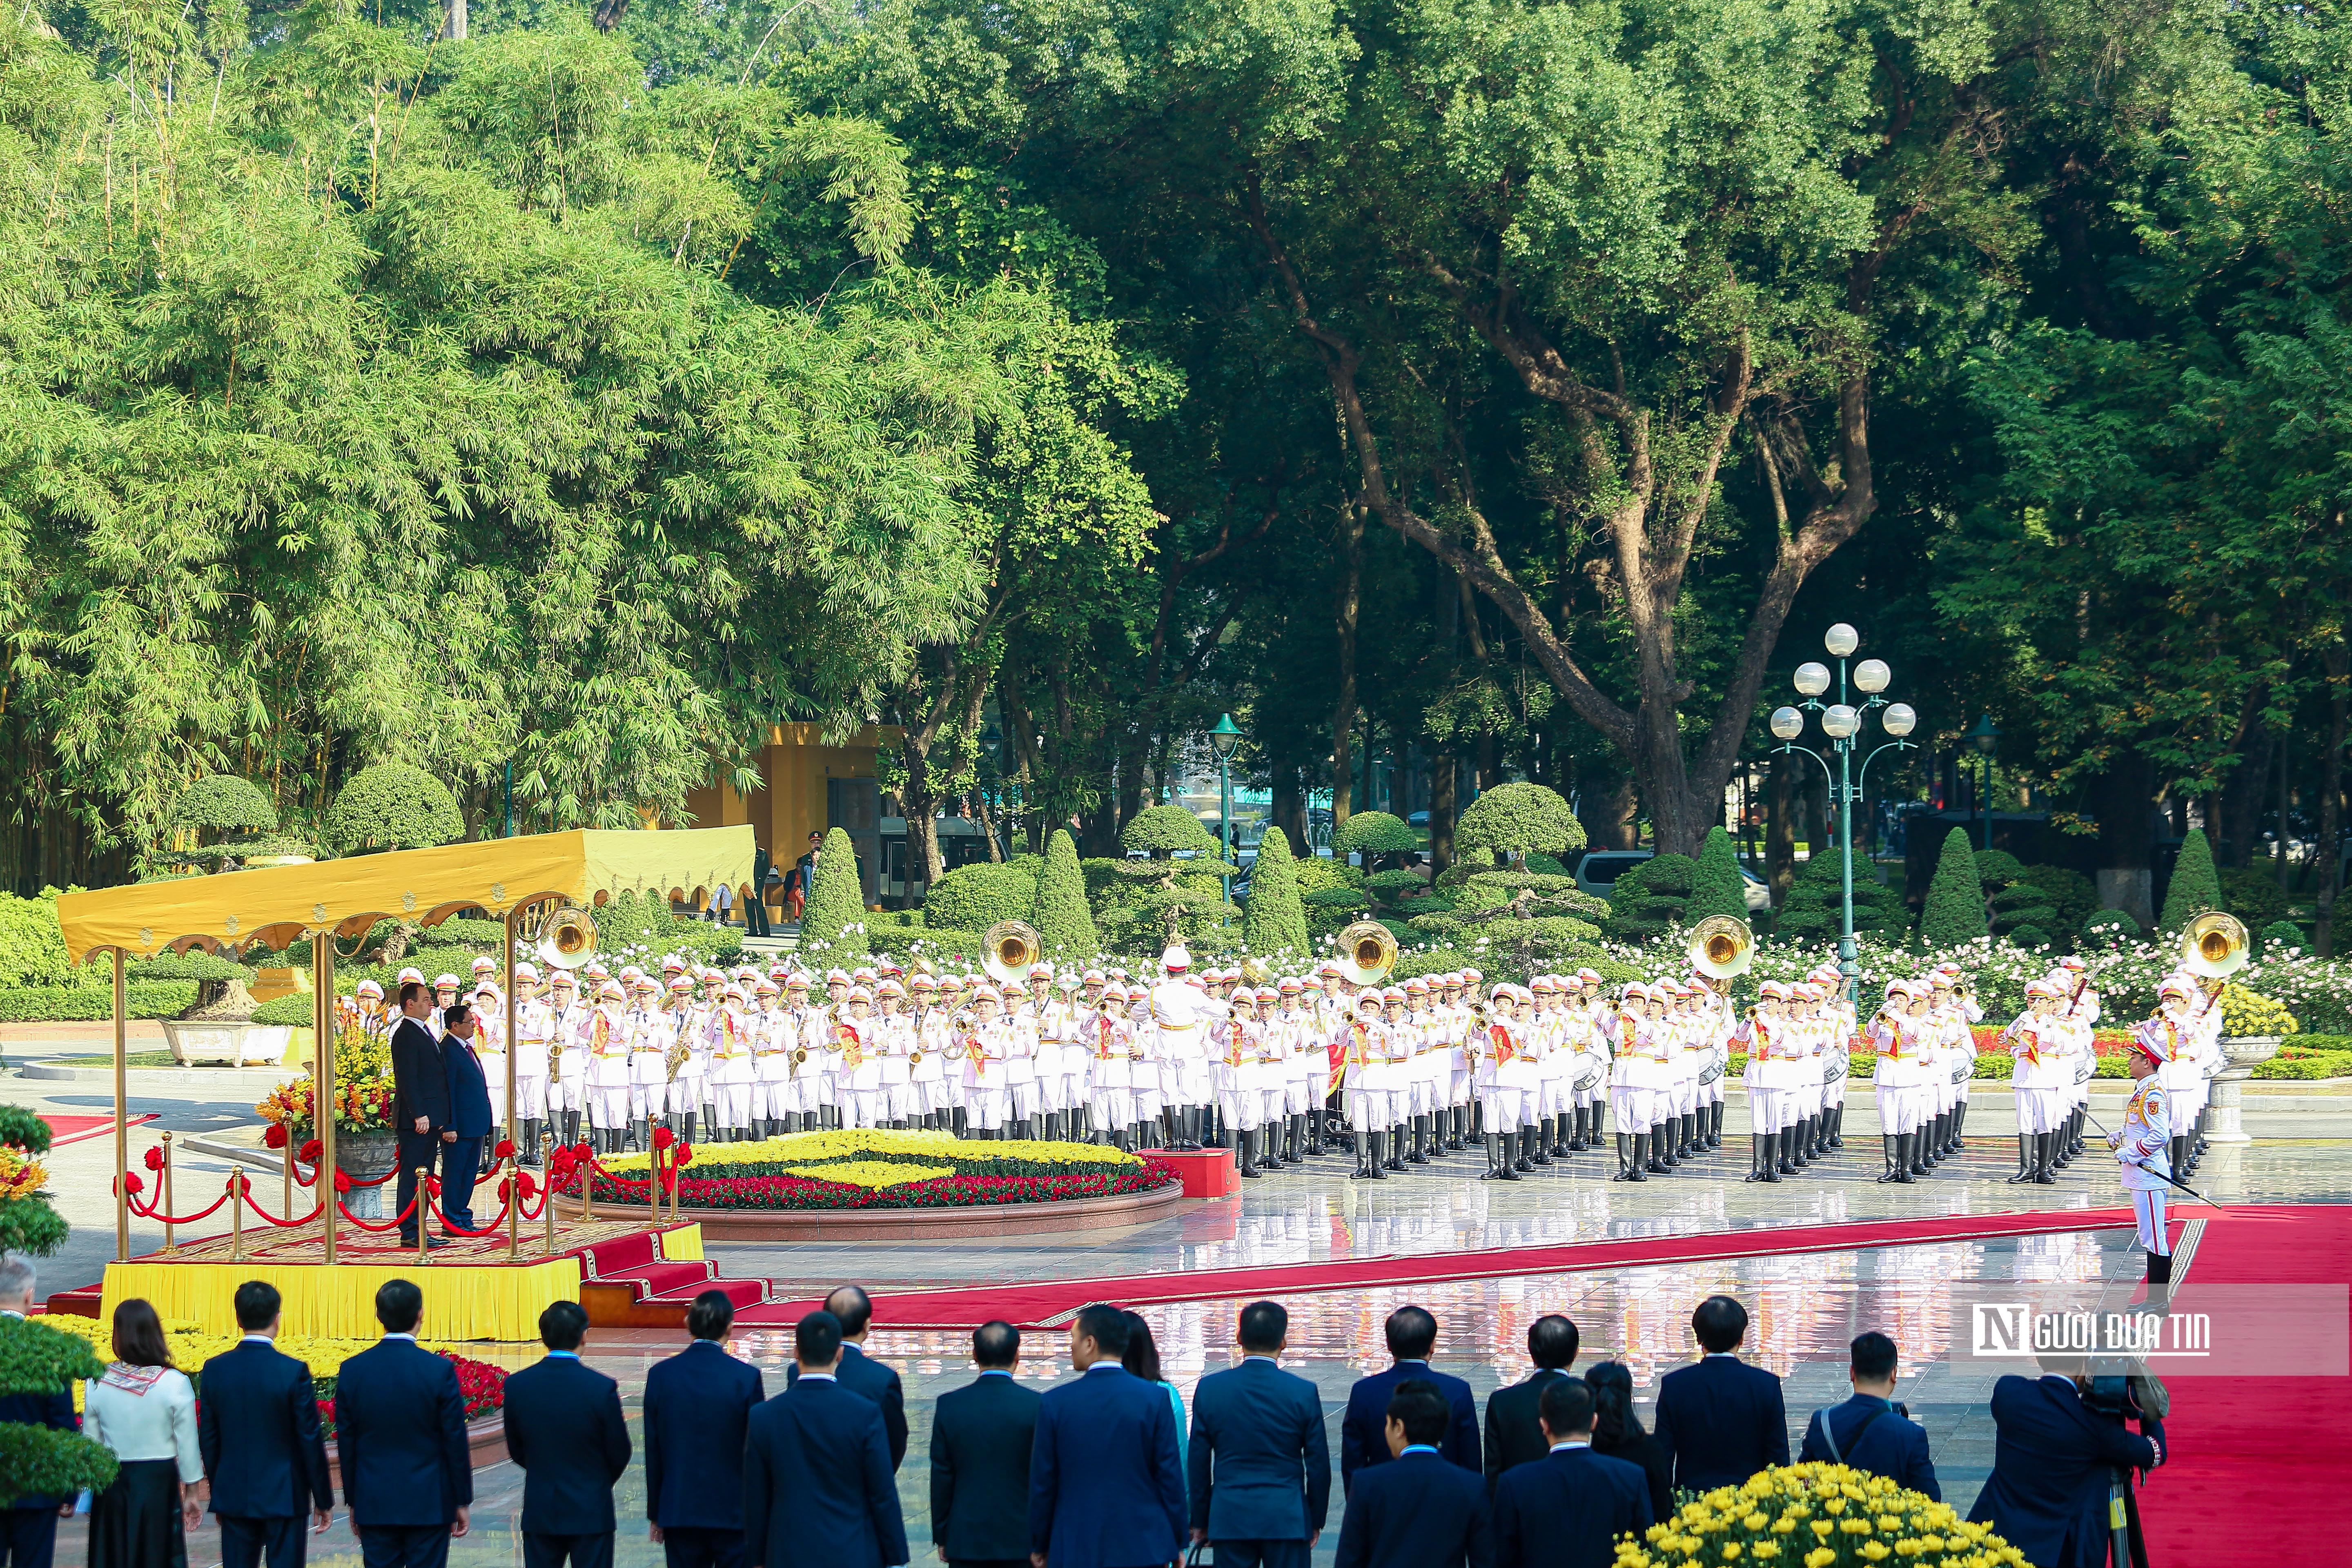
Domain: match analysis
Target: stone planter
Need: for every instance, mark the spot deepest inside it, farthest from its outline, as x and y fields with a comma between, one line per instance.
x=2243, y=1055
x=238, y=1045
x=364, y=1156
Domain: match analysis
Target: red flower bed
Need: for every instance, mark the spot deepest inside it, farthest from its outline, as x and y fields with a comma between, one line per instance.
x=481, y=1385
x=942, y=1193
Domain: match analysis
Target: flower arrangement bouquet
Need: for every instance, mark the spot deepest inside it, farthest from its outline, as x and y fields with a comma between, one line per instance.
x=1816, y=1516
x=363, y=1085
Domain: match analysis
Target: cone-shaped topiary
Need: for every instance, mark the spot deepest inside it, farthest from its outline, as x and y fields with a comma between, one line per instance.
x=2195, y=888
x=1274, y=921
x=1815, y=907
x=1516, y=819
x=835, y=913
x=1064, y=923
x=1955, y=910
x=391, y=806
x=1717, y=887
x=1655, y=894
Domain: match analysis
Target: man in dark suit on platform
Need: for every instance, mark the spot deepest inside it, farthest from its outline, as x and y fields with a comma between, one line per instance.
x=420, y=1100
x=565, y=1428
x=861, y=1373
x=2052, y=1460
x=257, y=1428
x=470, y=1116
x=1514, y=1423
x=400, y=1434
x=1870, y=1431
x=817, y=1490
x=1261, y=1481
x=1722, y=1420
x=1420, y=1512
x=1106, y=1490
x=698, y=1405
x=29, y=1526
x=980, y=1439
x=1567, y=1509
x=755, y=909
x=1363, y=1441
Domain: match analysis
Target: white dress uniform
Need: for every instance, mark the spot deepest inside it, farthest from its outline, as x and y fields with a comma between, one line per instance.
x=1898, y=1042
x=608, y=1032
x=2143, y=1144
x=927, y=1075
x=987, y=1098
x=734, y=1044
x=1181, y=1015
x=530, y=1058
x=567, y=1035
x=2043, y=1070
x=1110, y=1038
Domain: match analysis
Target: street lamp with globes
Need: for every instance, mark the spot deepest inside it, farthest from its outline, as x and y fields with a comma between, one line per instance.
x=1222, y=739
x=1842, y=721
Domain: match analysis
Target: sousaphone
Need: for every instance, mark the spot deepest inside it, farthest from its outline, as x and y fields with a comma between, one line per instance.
x=1368, y=951
x=1007, y=951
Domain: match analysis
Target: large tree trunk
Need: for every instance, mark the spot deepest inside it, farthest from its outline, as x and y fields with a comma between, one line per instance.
x=1442, y=772
x=1781, y=828
x=2331, y=796
x=2124, y=798
x=1343, y=701
x=1289, y=811
x=2242, y=799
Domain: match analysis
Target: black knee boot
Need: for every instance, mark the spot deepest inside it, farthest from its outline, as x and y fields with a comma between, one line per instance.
x=1582, y=1138
x=1494, y=1158
x=2024, y=1159
x=1420, y=1149
x=571, y=1130
x=1754, y=1157
x=1625, y=1158
x=1395, y=1142
x=1920, y=1163
x=1715, y=1125
x=1837, y=1128
x=1535, y=1138
x=1789, y=1165
x=1644, y=1159
x=1893, y=1170
x=1802, y=1143
x=1515, y=1157
x=1248, y=1168
x=2046, y=1158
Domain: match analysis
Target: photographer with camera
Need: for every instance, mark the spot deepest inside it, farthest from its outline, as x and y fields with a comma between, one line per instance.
x=2060, y=1458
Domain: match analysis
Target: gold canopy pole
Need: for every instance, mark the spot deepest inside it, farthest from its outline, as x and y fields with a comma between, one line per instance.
x=122, y=1121
x=514, y=1139
x=322, y=1079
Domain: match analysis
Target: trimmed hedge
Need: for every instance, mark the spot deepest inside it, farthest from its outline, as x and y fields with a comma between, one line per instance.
x=90, y=1004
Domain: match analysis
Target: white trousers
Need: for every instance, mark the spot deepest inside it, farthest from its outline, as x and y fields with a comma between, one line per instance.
x=1505, y=1110
x=1112, y=1108
x=2040, y=1109
x=1633, y=1108
x=686, y=1092
x=1899, y=1107
x=2147, y=1210
x=985, y=1106
x=734, y=1103
x=1301, y=1097
x=1374, y=1109
x=531, y=1098
x=608, y=1105
x=1768, y=1109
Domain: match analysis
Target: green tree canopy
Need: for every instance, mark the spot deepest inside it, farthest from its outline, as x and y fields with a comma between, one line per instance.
x=393, y=805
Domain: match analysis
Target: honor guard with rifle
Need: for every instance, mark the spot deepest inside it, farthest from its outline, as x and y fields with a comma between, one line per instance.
x=2144, y=1142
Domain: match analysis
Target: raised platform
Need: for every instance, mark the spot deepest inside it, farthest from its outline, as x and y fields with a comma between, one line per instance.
x=472, y=1290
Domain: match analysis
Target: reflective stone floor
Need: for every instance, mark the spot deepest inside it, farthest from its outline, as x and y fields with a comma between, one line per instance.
x=1804, y=1307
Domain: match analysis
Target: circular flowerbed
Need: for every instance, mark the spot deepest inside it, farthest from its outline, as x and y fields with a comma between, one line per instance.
x=1819, y=1516
x=889, y=1170
x=482, y=1386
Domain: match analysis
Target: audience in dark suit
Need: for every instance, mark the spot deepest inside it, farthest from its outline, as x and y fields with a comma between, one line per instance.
x=1261, y=1471
x=400, y=1436
x=860, y=1374
x=980, y=1438
x=257, y=1428
x=1617, y=1433
x=817, y=1487
x=470, y=1116
x=1722, y=1420
x=565, y=1428
x=1421, y=1511
x=1106, y=1490
x=697, y=1407
x=1870, y=1431
x=1514, y=1425
x=2052, y=1458
x=28, y=1525
x=1567, y=1509
x=1412, y=1335
x=420, y=1102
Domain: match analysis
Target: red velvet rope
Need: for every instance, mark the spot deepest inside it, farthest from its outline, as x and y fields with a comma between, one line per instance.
x=273, y=1219
x=148, y=1213
x=393, y=1224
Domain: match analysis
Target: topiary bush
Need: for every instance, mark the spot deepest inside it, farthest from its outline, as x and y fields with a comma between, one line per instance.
x=1718, y=887
x=1273, y=921
x=2253, y=894
x=637, y=927
x=833, y=919
x=2023, y=904
x=42, y=1461
x=977, y=895
x=224, y=803
x=2027, y=938
x=2194, y=888
x=1814, y=910
x=1954, y=910
x=1065, y=921
x=1652, y=896
x=2280, y=936
x=1375, y=835
x=392, y=806
x=2110, y=928
x=2073, y=896
x=1514, y=820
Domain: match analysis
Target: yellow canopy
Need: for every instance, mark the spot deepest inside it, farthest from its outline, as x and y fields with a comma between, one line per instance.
x=278, y=905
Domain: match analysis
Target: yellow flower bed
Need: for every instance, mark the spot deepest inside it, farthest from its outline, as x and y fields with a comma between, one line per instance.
x=871, y=1174
x=192, y=1344
x=1817, y=1516
x=878, y=1143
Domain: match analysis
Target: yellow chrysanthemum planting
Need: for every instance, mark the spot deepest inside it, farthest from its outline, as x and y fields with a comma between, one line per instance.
x=871, y=1174
x=1821, y=1516
x=192, y=1344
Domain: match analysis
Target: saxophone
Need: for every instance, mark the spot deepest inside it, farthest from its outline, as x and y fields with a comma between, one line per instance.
x=674, y=1058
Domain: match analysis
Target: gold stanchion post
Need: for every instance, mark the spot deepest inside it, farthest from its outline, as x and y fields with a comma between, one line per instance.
x=122, y=1121
x=514, y=1127
x=165, y=1182
x=424, y=1213
x=322, y=1078
x=236, y=1216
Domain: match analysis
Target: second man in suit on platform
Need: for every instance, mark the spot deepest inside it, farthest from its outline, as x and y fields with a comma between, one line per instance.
x=980, y=1438
x=1261, y=1480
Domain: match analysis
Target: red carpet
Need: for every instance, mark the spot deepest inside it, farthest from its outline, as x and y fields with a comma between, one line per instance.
x=65, y=1129
x=1049, y=1303
x=2249, y=1450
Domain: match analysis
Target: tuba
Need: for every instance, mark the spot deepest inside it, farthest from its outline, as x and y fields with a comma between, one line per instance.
x=567, y=938
x=2214, y=946
x=1368, y=951
x=1007, y=951
x=1722, y=946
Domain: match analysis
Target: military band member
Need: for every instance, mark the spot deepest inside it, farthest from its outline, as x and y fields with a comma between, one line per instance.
x=986, y=1046
x=1181, y=1015
x=1370, y=1101
x=2037, y=1040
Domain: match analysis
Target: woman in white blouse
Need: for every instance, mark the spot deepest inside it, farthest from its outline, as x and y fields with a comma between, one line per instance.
x=145, y=1410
